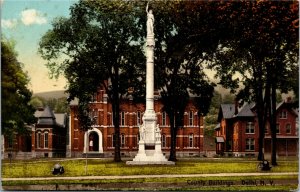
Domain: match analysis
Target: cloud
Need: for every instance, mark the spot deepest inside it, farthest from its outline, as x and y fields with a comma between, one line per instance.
x=32, y=16
x=9, y=23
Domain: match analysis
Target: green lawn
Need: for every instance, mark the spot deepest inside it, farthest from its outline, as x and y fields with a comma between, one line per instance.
x=76, y=167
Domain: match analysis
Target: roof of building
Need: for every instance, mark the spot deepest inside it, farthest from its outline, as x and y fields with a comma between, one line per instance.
x=245, y=110
x=289, y=106
x=227, y=110
x=47, y=117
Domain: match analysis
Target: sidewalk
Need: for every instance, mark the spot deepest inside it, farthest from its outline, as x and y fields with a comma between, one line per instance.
x=149, y=176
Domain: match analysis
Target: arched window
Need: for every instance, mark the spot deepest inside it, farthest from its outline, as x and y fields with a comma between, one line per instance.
x=46, y=143
x=191, y=118
x=38, y=140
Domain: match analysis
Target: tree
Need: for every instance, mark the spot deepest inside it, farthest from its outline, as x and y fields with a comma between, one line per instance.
x=16, y=110
x=263, y=50
x=58, y=105
x=211, y=119
x=37, y=102
x=179, y=63
x=101, y=44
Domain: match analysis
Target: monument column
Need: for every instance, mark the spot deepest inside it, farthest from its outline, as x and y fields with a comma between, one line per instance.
x=150, y=134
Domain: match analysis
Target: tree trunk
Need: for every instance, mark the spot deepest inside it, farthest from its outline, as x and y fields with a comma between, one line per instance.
x=173, y=139
x=117, y=156
x=116, y=114
x=263, y=116
x=260, y=111
x=273, y=126
x=261, y=131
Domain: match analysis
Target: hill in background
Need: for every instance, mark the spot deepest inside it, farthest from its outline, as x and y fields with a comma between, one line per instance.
x=52, y=94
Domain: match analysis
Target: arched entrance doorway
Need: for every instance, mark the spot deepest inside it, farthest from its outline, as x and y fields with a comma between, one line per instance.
x=95, y=136
x=93, y=142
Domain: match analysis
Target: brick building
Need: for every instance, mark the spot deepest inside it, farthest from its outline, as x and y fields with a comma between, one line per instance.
x=46, y=138
x=287, y=131
x=99, y=140
x=238, y=133
x=49, y=134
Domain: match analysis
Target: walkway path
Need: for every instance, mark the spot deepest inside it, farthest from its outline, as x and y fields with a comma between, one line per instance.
x=149, y=176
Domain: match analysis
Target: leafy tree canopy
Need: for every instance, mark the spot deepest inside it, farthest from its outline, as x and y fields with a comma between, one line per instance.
x=100, y=46
x=16, y=110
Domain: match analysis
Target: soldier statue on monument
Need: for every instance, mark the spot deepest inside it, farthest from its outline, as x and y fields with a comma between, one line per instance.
x=150, y=21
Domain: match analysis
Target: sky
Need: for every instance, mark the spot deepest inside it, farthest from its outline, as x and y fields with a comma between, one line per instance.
x=25, y=22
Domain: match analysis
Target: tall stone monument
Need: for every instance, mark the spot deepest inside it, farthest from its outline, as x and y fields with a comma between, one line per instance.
x=150, y=137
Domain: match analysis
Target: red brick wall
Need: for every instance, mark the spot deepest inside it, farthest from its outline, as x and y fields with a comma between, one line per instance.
x=130, y=129
x=286, y=142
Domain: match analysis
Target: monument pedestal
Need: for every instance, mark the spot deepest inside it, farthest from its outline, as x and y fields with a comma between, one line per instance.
x=148, y=153
x=150, y=156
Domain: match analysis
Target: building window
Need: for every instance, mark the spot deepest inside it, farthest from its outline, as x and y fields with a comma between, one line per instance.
x=191, y=118
x=250, y=127
x=277, y=128
x=139, y=118
x=122, y=140
x=46, y=140
x=122, y=118
x=250, y=144
x=38, y=140
x=163, y=140
x=288, y=128
x=191, y=142
x=266, y=129
x=94, y=116
x=94, y=98
x=164, y=119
